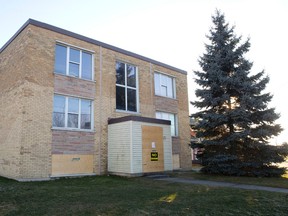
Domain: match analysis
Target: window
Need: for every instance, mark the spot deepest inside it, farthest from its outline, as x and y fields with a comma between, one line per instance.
x=126, y=87
x=73, y=62
x=164, y=85
x=172, y=118
x=71, y=112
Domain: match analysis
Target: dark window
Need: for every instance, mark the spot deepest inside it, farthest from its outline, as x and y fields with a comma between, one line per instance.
x=126, y=87
x=60, y=59
x=120, y=98
x=59, y=111
x=131, y=100
x=85, y=114
x=120, y=73
x=87, y=66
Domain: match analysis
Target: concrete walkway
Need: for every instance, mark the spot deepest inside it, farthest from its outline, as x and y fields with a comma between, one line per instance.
x=221, y=184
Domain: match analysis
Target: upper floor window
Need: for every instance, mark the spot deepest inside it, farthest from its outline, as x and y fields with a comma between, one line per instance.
x=164, y=85
x=126, y=87
x=172, y=118
x=73, y=62
x=71, y=112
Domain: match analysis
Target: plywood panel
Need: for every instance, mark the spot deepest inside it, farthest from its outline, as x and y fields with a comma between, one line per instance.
x=176, y=161
x=72, y=164
x=152, y=141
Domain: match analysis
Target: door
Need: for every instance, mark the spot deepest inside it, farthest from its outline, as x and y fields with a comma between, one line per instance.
x=152, y=149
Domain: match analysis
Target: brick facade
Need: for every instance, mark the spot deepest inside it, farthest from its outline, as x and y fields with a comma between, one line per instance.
x=28, y=84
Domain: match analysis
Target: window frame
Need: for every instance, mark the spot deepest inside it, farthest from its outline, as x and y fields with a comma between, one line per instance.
x=175, y=116
x=161, y=94
x=80, y=63
x=66, y=113
x=126, y=87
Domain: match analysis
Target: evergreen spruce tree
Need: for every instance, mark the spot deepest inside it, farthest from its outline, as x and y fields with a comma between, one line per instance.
x=234, y=120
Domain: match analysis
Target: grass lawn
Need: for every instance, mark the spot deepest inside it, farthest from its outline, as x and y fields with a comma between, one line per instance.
x=133, y=196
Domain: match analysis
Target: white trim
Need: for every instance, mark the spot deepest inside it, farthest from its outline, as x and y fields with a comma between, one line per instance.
x=73, y=46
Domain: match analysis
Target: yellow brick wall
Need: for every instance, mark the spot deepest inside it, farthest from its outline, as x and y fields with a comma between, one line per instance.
x=28, y=62
x=26, y=96
x=11, y=81
x=10, y=132
x=37, y=107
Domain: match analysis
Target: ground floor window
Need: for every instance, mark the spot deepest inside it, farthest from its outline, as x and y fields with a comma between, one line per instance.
x=171, y=117
x=72, y=112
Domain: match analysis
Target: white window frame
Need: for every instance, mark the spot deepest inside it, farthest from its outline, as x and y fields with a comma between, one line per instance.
x=175, y=131
x=80, y=60
x=129, y=87
x=79, y=114
x=160, y=84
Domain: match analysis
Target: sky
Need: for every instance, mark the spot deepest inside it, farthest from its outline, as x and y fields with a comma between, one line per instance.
x=170, y=31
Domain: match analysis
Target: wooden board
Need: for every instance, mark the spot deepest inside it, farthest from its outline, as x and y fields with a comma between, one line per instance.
x=152, y=141
x=176, y=161
x=72, y=164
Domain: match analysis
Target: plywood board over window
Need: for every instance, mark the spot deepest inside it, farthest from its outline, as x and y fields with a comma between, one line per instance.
x=71, y=164
x=152, y=142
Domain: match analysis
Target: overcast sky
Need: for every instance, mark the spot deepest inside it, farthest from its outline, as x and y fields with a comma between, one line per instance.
x=170, y=31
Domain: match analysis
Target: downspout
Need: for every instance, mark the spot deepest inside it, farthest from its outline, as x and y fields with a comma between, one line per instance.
x=100, y=109
x=151, y=87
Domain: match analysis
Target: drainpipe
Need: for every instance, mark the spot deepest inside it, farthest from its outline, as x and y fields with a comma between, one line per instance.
x=100, y=111
x=152, y=87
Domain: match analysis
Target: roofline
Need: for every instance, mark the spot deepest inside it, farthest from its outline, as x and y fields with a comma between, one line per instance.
x=89, y=40
x=138, y=119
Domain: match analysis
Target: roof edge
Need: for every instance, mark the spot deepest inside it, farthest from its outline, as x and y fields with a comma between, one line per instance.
x=15, y=35
x=138, y=119
x=89, y=40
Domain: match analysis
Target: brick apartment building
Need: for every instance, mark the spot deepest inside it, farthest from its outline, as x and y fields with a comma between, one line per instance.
x=71, y=105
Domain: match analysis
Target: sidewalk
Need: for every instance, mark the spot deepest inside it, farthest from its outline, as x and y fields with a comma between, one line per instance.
x=221, y=184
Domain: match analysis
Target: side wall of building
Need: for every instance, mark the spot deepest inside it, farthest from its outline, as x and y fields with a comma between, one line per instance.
x=24, y=139
x=11, y=109
x=37, y=102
